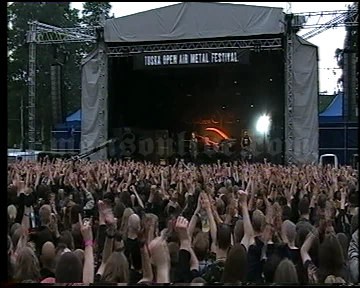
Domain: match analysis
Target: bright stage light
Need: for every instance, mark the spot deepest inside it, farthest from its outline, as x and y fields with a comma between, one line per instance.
x=263, y=124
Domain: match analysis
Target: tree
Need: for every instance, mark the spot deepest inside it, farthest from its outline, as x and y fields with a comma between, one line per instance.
x=91, y=16
x=69, y=55
x=92, y=12
x=19, y=14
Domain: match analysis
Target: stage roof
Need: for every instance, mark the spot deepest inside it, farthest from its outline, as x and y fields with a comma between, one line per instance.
x=193, y=21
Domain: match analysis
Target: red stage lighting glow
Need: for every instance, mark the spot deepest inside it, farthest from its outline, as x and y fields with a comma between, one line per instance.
x=218, y=131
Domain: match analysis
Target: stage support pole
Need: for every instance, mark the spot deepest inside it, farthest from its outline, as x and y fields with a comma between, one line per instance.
x=31, y=39
x=102, y=154
x=289, y=96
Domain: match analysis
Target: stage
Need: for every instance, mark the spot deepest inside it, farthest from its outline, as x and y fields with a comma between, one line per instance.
x=157, y=78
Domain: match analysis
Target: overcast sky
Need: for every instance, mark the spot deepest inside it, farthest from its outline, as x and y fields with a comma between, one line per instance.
x=327, y=41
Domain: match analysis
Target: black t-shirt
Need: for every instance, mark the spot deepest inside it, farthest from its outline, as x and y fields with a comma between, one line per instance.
x=133, y=253
x=182, y=272
x=255, y=266
x=213, y=273
x=245, y=141
x=46, y=273
x=40, y=237
x=295, y=257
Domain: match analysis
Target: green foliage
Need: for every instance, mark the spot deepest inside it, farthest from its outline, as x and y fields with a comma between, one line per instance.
x=58, y=14
x=92, y=12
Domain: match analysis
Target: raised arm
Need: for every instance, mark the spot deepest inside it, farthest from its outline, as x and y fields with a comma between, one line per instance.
x=305, y=248
x=133, y=189
x=205, y=202
x=147, y=270
x=194, y=218
x=88, y=269
x=353, y=257
x=248, y=238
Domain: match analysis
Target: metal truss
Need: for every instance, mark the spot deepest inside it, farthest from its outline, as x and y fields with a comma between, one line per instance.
x=342, y=18
x=47, y=34
x=32, y=89
x=256, y=44
x=289, y=100
x=40, y=33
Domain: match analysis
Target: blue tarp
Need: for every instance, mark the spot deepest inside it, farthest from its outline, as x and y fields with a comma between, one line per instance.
x=72, y=123
x=74, y=117
x=335, y=108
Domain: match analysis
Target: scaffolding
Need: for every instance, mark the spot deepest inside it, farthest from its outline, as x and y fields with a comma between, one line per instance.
x=252, y=44
x=40, y=33
x=289, y=101
x=32, y=87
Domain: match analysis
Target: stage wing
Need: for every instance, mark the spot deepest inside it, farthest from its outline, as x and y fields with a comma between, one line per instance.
x=195, y=20
x=94, y=98
x=305, y=88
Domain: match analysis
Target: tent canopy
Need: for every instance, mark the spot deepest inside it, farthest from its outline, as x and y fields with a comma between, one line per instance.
x=195, y=20
x=76, y=116
x=335, y=108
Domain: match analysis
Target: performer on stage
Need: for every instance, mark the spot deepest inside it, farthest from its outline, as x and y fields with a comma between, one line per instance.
x=193, y=147
x=245, y=146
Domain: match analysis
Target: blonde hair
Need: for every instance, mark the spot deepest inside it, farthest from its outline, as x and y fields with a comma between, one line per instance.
x=116, y=269
x=27, y=265
x=124, y=221
x=288, y=228
x=45, y=214
x=258, y=220
x=12, y=212
x=331, y=279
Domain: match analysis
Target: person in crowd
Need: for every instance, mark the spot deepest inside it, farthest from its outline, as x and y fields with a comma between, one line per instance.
x=286, y=273
x=193, y=149
x=353, y=257
x=235, y=269
x=83, y=222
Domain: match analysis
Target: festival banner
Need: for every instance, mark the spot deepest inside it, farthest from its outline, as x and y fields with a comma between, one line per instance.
x=190, y=59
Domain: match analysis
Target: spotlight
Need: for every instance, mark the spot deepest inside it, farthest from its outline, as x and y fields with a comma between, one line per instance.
x=263, y=124
x=251, y=106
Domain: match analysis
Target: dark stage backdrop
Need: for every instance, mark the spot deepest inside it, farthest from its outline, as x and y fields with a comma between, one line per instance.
x=191, y=97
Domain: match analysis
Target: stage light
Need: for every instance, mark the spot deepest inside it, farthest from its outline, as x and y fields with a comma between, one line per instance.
x=263, y=124
x=251, y=106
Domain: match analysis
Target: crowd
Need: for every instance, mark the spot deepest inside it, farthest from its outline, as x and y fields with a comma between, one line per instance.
x=136, y=222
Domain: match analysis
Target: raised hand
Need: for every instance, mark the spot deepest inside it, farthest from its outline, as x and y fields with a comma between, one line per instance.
x=181, y=228
x=242, y=197
x=85, y=229
x=159, y=252
x=205, y=202
x=106, y=214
